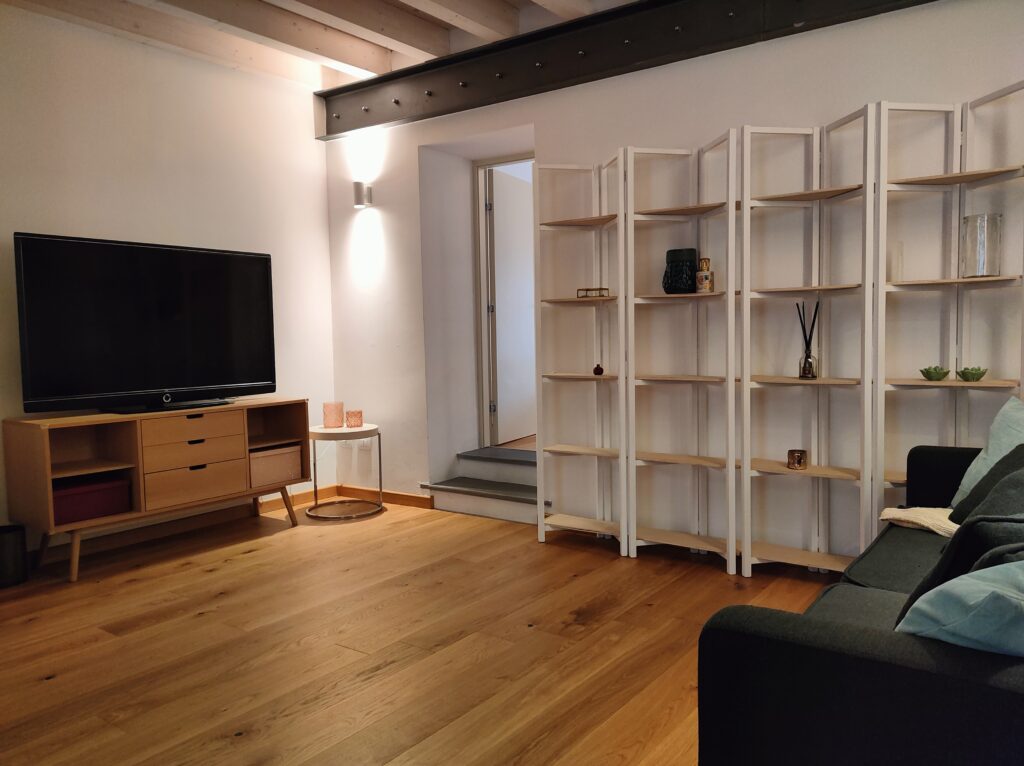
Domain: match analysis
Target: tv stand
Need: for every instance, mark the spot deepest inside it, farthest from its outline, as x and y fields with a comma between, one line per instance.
x=73, y=473
x=161, y=407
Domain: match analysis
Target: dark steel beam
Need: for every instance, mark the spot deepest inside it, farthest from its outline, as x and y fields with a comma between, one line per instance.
x=623, y=39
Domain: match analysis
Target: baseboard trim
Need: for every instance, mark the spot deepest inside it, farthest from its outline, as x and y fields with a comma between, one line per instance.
x=398, y=498
x=305, y=497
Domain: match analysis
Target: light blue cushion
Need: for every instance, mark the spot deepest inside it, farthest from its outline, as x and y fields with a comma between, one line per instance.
x=1007, y=432
x=980, y=610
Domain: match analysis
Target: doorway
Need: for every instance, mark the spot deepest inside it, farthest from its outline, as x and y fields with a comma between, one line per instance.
x=506, y=297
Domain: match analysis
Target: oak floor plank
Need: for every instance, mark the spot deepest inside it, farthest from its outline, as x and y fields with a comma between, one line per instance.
x=414, y=637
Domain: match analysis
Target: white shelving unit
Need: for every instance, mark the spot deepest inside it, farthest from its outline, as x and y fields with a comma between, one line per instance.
x=972, y=330
x=682, y=373
x=581, y=417
x=828, y=273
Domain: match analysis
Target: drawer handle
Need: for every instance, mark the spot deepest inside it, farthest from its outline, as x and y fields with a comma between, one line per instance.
x=197, y=467
x=195, y=415
x=196, y=441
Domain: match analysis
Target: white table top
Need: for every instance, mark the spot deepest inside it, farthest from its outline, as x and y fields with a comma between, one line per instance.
x=322, y=433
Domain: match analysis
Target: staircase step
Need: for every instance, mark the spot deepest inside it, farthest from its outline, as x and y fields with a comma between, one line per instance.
x=501, y=455
x=497, y=490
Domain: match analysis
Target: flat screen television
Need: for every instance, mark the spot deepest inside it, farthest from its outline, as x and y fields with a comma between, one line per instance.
x=125, y=325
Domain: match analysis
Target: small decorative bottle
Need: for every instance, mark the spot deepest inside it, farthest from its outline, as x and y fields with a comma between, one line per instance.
x=808, y=366
x=598, y=369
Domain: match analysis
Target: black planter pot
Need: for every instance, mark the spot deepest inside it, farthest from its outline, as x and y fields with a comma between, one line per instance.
x=13, y=557
x=680, y=271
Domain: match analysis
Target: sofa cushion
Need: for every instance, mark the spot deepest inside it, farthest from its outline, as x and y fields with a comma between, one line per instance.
x=850, y=604
x=1010, y=463
x=978, y=536
x=897, y=560
x=1004, y=554
x=980, y=610
x=1006, y=432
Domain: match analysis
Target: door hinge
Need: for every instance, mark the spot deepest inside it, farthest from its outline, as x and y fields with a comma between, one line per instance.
x=492, y=408
x=490, y=308
x=489, y=207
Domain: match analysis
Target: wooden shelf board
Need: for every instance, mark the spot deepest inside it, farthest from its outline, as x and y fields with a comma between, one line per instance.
x=806, y=289
x=896, y=477
x=686, y=210
x=779, y=380
x=580, y=301
x=811, y=195
x=951, y=383
x=590, y=222
x=946, y=179
x=678, y=296
x=582, y=524
x=680, y=378
x=578, y=376
x=576, y=449
x=259, y=442
x=768, y=552
x=778, y=467
x=86, y=467
x=674, y=459
x=100, y=521
x=682, y=539
x=910, y=284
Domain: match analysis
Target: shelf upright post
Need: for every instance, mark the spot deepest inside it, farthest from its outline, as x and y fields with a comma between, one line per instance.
x=744, y=365
x=627, y=381
x=730, y=352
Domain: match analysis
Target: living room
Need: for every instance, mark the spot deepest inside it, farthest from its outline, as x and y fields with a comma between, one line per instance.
x=722, y=503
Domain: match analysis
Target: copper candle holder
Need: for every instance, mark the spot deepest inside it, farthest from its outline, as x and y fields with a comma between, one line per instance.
x=796, y=460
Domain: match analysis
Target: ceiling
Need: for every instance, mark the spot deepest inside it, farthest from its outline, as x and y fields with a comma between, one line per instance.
x=333, y=41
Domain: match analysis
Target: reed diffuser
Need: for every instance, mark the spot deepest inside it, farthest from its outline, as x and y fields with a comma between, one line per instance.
x=808, y=362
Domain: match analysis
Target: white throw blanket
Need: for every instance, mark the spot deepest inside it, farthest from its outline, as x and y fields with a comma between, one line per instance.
x=933, y=519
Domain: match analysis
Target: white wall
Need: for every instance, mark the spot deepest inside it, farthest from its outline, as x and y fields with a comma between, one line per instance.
x=102, y=137
x=946, y=51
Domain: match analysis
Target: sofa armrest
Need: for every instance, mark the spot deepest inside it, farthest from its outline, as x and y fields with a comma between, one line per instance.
x=777, y=687
x=934, y=474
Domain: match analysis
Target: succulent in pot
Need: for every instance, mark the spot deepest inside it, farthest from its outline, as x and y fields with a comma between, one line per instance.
x=935, y=372
x=971, y=374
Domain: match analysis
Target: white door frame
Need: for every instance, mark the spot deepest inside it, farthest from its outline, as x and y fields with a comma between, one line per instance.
x=483, y=235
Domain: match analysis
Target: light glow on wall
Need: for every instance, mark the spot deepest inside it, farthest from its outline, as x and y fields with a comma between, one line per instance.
x=367, y=249
x=365, y=152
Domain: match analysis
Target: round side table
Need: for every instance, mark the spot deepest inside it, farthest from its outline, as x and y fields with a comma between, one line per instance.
x=345, y=509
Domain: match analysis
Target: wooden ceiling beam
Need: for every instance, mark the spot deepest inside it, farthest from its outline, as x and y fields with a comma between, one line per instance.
x=381, y=23
x=284, y=30
x=565, y=9
x=489, y=20
x=151, y=27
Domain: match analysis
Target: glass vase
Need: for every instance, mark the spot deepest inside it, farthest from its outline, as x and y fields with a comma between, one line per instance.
x=808, y=366
x=981, y=245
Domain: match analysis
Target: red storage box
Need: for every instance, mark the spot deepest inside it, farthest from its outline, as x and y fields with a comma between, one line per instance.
x=87, y=497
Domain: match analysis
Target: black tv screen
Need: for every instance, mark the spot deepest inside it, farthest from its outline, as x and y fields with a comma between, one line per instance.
x=124, y=324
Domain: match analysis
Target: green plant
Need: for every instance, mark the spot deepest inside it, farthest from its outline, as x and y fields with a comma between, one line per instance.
x=971, y=374
x=935, y=372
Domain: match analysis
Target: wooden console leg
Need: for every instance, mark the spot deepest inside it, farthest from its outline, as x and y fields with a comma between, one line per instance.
x=288, y=506
x=255, y=506
x=44, y=543
x=76, y=547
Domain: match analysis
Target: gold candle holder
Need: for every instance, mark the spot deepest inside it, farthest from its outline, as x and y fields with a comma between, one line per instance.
x=796, y=460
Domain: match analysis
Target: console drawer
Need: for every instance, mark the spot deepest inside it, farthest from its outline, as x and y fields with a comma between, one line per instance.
x=165, y=457
x=195, y=484
x=183, y=428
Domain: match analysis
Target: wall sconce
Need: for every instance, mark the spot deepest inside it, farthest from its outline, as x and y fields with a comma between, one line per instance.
x=363, y=194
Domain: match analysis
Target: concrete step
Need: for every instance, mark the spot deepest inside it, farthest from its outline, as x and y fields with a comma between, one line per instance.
x=499, y=464
x=480, y=497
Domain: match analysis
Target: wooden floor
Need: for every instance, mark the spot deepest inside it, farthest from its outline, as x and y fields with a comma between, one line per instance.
x=416, y=637
x=527, y=442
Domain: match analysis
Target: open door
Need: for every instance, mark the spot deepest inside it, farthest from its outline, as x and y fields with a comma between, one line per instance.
x=508, y=359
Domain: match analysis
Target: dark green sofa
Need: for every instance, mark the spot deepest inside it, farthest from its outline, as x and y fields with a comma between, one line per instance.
x=837, y=685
